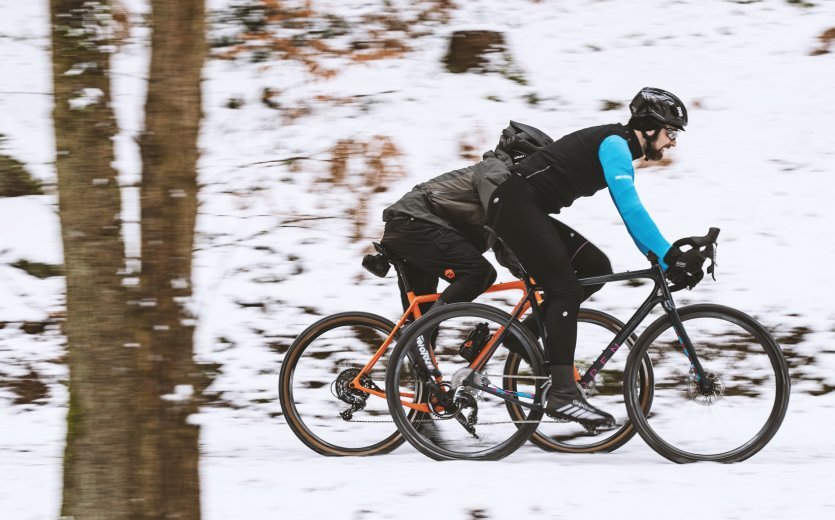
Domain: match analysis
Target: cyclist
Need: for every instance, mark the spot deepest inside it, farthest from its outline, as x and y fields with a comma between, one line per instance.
x=552, y=178
x=439, y=230
x=439, y=227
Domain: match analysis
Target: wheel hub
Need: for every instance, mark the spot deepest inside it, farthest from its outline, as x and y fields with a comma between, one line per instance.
x=713, y=392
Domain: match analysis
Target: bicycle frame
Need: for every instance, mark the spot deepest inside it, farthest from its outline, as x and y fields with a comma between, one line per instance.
x=660, y=295
x=413, y=311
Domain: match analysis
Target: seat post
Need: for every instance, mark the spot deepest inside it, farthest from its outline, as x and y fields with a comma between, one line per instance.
x=398, y=265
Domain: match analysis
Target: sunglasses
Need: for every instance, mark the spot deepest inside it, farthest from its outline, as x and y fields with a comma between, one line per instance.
x=672, y=133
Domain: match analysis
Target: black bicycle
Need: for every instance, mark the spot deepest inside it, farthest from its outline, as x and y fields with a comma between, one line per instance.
x=701, y=383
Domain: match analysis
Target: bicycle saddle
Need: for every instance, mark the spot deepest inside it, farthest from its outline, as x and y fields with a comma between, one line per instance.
x=379, y=264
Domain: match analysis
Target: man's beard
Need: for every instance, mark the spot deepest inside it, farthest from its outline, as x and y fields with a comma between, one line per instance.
x=653, y=154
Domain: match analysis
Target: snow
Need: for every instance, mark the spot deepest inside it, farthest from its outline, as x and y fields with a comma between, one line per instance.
x=756, y=161
x=634, y=482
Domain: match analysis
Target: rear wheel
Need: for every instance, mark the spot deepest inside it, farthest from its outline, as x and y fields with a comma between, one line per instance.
x=595, y=331
x=320, y=406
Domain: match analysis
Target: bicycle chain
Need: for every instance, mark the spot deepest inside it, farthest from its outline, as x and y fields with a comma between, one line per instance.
x=351, y=365
x=480, y=423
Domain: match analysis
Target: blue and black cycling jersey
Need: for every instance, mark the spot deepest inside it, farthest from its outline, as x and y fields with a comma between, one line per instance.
x=583, y=163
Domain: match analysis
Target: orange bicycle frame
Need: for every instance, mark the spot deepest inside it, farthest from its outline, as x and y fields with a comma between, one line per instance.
x=413, y=311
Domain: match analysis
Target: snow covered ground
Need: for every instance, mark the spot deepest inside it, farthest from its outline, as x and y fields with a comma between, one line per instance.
x=755, y=161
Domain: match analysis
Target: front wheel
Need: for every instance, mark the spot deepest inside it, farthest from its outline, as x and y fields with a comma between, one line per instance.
x=736, y=413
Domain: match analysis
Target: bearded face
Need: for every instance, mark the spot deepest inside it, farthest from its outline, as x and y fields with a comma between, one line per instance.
x=656, y=144
x=654, y=152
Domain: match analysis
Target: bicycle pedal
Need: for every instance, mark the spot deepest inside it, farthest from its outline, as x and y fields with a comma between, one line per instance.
x=594, y=430
x=469, y=427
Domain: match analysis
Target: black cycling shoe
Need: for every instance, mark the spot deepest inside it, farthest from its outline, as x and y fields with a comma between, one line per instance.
x=565, y=401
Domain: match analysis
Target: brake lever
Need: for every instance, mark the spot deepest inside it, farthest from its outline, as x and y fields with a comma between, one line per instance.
x=711, y=269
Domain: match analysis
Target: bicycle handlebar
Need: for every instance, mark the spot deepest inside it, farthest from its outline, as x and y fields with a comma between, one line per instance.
x=699, y=242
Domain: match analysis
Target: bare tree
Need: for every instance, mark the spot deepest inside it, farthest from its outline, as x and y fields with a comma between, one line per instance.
x=131, y=452
x=169, y=378
x=98, y=476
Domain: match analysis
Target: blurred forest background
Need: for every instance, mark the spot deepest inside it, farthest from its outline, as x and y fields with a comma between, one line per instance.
x=127, y=325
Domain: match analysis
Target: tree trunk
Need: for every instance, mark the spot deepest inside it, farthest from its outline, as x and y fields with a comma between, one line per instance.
x=169, y=447
x=98, y=480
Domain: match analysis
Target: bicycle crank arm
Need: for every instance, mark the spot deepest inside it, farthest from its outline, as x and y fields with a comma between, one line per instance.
x=467, y=426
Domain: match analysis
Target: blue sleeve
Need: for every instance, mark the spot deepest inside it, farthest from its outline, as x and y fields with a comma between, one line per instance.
x=620, y=178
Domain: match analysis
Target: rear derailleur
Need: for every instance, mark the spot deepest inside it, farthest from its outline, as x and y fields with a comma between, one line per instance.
x=341, y=388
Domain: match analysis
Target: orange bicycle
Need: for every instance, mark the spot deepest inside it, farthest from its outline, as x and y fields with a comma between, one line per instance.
x=331, y=385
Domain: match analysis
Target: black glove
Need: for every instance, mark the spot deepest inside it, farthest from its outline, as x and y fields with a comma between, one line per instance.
x=506, y=258
x=684, y=269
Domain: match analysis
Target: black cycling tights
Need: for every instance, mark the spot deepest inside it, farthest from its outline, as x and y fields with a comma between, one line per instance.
x=554, y=254
x=432, y=252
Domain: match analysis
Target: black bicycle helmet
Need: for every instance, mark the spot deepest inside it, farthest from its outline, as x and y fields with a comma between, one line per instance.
x=659, y=106
x=519, y=140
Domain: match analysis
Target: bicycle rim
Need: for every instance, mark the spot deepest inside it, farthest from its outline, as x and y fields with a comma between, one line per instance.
x=314, y=389
x=476, y=424
x=749, y=391
x=595, y=331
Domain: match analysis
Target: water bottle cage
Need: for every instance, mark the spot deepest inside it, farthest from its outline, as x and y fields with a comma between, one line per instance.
x=474, y=342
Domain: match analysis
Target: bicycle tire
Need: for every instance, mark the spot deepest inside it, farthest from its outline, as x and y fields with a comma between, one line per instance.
x=596, y=329
x=444, y=438
x=306, y=382
x=750, y=381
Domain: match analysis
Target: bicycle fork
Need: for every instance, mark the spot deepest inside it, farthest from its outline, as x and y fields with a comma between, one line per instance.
x=705, y=383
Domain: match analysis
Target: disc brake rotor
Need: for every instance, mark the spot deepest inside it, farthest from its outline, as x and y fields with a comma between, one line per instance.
x=714, y=393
